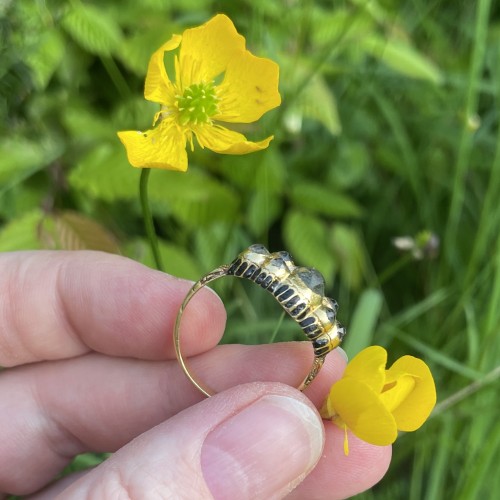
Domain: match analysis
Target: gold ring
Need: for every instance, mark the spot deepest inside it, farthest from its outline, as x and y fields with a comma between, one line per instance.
x=299, y=290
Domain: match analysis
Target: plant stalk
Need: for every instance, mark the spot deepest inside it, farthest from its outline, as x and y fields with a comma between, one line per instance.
x=148, y=218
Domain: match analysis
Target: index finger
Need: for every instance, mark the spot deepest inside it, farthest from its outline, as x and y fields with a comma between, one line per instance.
x=56, y=304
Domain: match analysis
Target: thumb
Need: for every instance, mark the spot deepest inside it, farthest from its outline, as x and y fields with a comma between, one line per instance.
x=250, y=442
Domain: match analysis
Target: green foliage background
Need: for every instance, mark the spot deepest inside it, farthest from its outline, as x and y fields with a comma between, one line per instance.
x=389, y=126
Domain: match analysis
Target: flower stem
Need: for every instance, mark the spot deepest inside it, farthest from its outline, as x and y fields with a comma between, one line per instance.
x=148, y=219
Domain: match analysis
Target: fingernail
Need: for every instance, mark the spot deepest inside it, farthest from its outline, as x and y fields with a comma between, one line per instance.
x=264, y=450
x=342, y=353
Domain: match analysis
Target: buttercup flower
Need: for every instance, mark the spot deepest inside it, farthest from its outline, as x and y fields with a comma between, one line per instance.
x=374, y=403
x=216, y=80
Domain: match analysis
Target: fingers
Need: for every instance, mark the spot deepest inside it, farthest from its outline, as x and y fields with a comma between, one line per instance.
x=255, y=441
x=55, y=410
x=339, y=476
x=55, y=305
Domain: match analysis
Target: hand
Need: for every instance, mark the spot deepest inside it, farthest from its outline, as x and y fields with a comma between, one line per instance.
x=86, y=343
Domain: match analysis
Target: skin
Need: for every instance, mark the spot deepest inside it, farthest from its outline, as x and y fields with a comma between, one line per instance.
x=89, y=365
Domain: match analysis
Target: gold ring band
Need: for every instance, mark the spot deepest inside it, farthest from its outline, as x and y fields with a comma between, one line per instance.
x=299, y=290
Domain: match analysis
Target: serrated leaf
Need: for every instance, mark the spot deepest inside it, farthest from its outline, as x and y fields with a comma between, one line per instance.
x=363, y=322
x=46, y=58
x=74, y=231
x=324, y=201
x=92, y=28
x=349, y=254
x=20, y=158
x=105, y=173
x=194, y=198
x=403, y=58
x=21, y=233
x=305, y=238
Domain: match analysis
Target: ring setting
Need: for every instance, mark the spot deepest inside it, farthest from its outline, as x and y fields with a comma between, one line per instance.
x=300, y=292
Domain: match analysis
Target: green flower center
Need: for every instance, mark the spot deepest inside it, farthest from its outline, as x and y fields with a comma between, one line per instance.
x=197, y=104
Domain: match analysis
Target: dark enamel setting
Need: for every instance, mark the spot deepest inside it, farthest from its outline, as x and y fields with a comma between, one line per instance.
x=299, y=290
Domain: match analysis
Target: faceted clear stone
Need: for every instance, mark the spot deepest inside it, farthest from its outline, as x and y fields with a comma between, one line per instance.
x=341, y=331
x=257, y=254
x=287, y=259
x=260, y=249
x=330, y=314
x=312, y=279
x=277, y=264
x=330, y=307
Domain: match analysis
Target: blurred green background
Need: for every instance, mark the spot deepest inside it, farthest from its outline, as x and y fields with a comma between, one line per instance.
x=388, y=128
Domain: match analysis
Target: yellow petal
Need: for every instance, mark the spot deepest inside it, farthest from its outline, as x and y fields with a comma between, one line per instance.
x=368, y=366
x=158, y=87
x=249, y=89
x=207, y=49
x=362, y=411
x=328, y=410
x=397, y=392
x=417, y=406
x=222, y=140
x=162, y=147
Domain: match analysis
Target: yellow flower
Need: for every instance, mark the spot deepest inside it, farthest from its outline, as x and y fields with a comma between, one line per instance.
x=374, y=403
x=216, y=80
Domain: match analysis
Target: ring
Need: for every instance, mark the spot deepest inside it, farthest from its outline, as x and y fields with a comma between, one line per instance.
x=299, y=290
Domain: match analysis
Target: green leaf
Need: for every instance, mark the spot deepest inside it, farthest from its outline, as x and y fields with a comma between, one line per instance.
x=177, y=260
x=105, y=173
x=263, y=210
x=133, y=114
x=85, y=124
x=271, y=171
x=315, y=101
x=46, y=58
x=403, y=58
x=348, y=250
x=193, y=197
x=352, y=165
x=92, y=28
x=264, y=171
x=20, y=158
x=323, y=200
x=22, y=233
x=136, y=51
x=363, y=322
x=23, y=198
x=217, y=244
x=305, y=238
x=340, y=26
